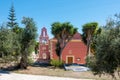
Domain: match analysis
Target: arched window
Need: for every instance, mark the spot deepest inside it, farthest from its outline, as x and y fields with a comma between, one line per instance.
x=44, y=41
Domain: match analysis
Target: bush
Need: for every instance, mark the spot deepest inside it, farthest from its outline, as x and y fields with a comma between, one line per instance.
x=56, y=63
x=91, y=63
x=30, y=61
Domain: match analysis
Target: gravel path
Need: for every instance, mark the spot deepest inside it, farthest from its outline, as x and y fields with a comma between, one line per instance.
x=14, y=76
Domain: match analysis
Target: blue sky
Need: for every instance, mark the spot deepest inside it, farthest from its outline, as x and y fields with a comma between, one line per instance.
x=45, y=12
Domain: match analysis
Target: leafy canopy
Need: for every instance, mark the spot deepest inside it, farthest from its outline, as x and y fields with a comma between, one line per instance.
x=28, y=38
x=89, y=31
x=63, y=32
x=107, y=49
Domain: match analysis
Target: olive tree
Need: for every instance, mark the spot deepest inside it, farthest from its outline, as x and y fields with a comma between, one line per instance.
x=107, y=49
x=28, y=38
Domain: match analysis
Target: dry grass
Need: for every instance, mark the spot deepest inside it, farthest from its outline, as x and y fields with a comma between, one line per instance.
x=49, y=71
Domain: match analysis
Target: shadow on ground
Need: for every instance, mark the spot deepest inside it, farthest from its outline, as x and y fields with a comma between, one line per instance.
x=4, y=72
x=37, y=64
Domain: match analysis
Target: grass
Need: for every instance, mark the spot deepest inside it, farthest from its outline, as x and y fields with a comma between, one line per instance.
x=50, y=71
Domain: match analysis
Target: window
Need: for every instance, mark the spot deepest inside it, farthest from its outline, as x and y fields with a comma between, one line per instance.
x=44, y=41
x=78, y=59
x=70, y=51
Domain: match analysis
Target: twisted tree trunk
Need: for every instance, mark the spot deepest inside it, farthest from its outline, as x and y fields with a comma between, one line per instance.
x=24, y=59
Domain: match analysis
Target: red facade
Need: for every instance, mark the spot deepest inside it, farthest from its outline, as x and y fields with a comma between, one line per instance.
x=74, y=52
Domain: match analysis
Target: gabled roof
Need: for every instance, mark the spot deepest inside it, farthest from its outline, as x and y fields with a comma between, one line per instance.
x=77, y=36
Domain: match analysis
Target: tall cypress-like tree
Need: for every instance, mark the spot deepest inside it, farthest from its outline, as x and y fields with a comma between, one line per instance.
x=12, y=20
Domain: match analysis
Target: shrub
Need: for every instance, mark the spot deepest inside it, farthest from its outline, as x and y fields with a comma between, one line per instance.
x=30, y=61
x=56, y=63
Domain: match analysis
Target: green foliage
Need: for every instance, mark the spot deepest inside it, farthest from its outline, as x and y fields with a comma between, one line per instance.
x=9, y=48
x=56, y=63
x=17, y=43
x=36, y=47
x=28, y=38
x=30, y=61
x=29, y=34
x=89, y=31
x=9, y=44
x=63, y=32
x=30, y=30
x=12, y=24
x=18, y=30
x=107, y=49
x=10, y=38
x=60, y=30
x=90, y=28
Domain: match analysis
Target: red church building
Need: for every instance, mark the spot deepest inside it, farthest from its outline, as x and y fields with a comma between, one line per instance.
x=74, y=52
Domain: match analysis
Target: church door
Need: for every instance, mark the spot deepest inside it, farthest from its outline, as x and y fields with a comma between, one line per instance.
x=70, y=60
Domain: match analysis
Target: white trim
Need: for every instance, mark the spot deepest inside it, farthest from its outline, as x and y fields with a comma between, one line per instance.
x=69, y=56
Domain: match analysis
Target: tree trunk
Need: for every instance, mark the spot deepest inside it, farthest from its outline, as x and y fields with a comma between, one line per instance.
x=88, y=46
x=60, y=57
x=23, y=61
x=62, y=44
x=88, y=49
x=23, y=64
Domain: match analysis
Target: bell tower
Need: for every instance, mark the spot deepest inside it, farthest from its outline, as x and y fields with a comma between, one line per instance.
x=44, y=54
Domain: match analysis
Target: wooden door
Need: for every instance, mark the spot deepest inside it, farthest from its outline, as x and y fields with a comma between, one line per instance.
x=70, y=60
